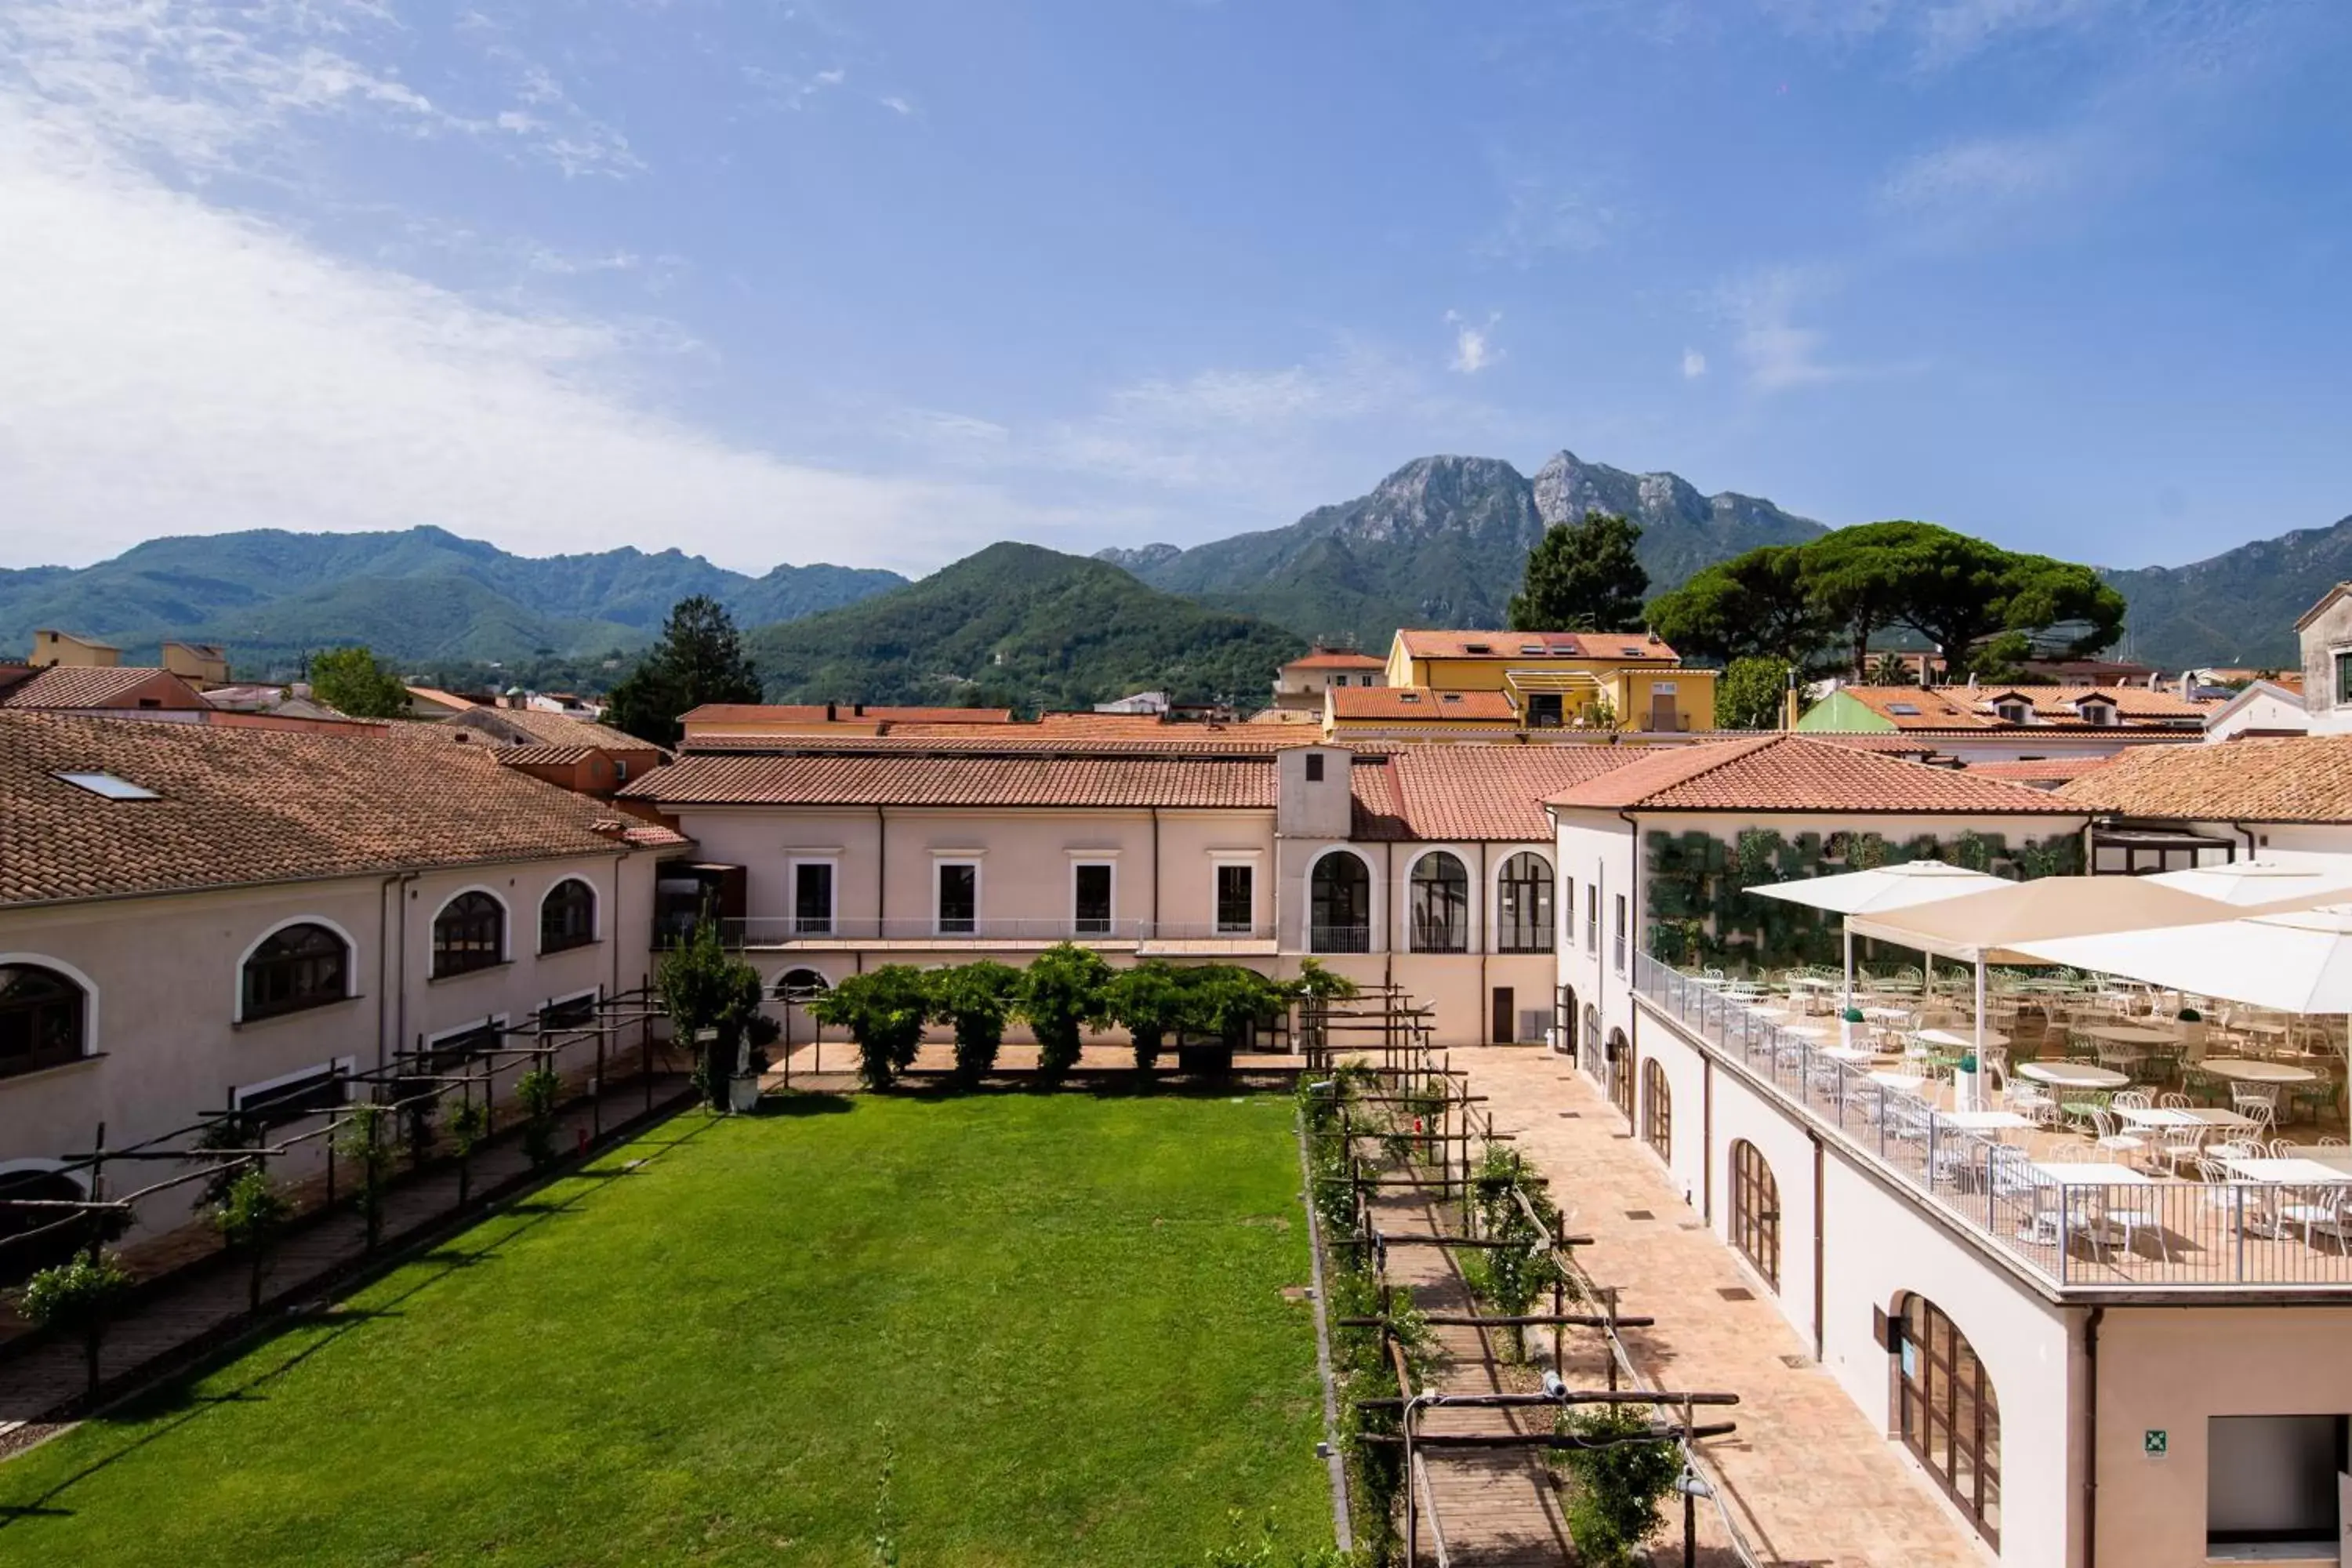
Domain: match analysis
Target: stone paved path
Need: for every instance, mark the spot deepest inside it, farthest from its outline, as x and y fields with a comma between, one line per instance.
x=1811, y=1479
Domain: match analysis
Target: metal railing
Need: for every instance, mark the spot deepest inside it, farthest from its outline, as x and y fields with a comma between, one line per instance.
x=785, y=931
x=2074, y=1234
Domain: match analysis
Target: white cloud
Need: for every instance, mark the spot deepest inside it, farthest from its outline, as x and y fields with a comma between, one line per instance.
x=1992, y=172
x=210, y=86
x=1474, y=346
x=192, y=371
x=1778, y=354
x=897, y=105
x=1693, y=365
x=1544, y=217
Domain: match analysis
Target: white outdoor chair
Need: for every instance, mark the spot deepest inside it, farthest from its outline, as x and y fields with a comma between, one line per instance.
x=2110, y=1142
x=2318, y=1211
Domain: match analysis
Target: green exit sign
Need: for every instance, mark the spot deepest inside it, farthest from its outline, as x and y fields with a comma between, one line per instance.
x=2154, y=1442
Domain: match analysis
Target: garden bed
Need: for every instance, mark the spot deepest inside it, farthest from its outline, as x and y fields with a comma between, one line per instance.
x=994, y=1328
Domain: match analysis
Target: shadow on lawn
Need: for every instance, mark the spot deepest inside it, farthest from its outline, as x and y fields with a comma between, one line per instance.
x=183, y=1401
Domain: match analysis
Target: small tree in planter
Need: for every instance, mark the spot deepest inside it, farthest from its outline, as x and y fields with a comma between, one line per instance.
x=712, y=999
x=975, y=999
x=1148, y=1002
x=470, y=1123
x=1061, y=993
x=1221, y=1003
x=367, y=1145
x=539, y=1092
x=252, y=1216
x=1618, y=1491
x=77, y=1298
x=883, y=1009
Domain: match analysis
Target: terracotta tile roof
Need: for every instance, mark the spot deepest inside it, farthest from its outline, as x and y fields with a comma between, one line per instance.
x=553, y=729
x=1324, y=659
x=1972, y=708
x=1535, y=645
x=2303, y=778
x=541, y=756
x=1421, y=705
x=1796, y=772
x=245, y=805
x=838, y=713
x=1285, y=716
x=1013, y=739
x=639, y=833
x=2048, y=771
x=1469, y=792
x=851, y=779
x=435, y=695
x=72, y=686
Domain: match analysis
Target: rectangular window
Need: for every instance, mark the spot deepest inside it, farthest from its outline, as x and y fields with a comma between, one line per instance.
x=1617, y=947
x=2343, y=693
x=812, y=898
x=1236, y=901
x=1592, y=918
x=295, y=1097
x=959, y=897
x=2272, y=1479
x=1314, y=767
x=1090, y=898
x=571, y=1013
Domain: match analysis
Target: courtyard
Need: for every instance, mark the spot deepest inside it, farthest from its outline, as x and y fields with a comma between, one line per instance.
x=941, y=1330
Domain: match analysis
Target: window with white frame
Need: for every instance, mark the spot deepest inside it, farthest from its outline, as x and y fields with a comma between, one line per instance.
x=1592, y=918
x=1090, y=898
x=1617, y=946
x=296, y=1095
x=1523, y=922
x=956, y=905
x=813, y=892
x=1237, y=897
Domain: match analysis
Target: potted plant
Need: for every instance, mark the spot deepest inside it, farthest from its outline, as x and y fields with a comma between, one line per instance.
x=78, y=1298
x=1061, y=993
x=1147, y=1000
x=974, y=999
x=884, y=1010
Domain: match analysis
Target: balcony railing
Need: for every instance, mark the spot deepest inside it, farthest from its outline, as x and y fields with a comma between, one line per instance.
x=2075, y=1235
x=787, y=930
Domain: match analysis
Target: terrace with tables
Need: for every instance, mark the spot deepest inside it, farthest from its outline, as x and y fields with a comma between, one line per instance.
x=2099, y=1131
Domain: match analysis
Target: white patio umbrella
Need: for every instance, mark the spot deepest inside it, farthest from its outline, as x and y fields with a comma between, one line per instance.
x=1877, y=890
x=2251, y=883
x=2299, y=962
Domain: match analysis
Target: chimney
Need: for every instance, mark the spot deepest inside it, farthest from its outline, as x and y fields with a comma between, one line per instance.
x=858, y=710
x=832, y=710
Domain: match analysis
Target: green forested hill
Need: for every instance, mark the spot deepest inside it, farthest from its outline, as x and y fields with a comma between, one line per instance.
x=1021, y=626
x=423, y=596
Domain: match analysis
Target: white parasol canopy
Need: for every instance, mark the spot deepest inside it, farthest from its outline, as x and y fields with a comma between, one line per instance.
x=1882, y=887
x=2297, y=963
x=1997, y=926
x=2245, y=883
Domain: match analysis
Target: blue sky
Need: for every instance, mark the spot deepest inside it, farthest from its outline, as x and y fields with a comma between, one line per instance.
x=881, y=283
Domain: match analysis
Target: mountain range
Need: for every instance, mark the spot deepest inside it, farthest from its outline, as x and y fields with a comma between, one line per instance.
x=1020, y=626
x=1443, y=541
x=420, y=596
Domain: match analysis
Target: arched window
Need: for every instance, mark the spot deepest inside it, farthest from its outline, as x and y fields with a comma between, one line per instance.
x=470, y=933
x=1440, y=904
x=1947, y=1411
x=296, y=966
x=1340, y=905
x=1523, y=922
x=31, y=1182
x=567, y=916
x=1756, y=1211
x=1657, y=1111
x=42, y=1015
x=1621, y=1074
x=802, y=985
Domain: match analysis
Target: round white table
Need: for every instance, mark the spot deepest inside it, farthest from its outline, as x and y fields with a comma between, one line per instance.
x=2125, y=1034
x=1962, y=1040
x=2073, y=1074
x=2245, y=1071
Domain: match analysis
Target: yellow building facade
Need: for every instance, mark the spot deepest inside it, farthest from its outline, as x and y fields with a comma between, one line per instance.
x=1620, y=680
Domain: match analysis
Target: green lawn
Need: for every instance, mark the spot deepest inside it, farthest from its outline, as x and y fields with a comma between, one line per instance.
x=1062, y=1314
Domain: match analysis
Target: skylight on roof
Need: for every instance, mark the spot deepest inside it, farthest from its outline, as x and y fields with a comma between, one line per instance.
x=1909, y=709
x=1477, y=648
x=109, y=786
x=1531, y=647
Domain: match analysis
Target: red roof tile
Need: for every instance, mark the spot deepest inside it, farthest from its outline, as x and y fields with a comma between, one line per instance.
x=839, y=714
x=1535, y=645
x=868, y=779
x=1421, y=705
x=1322, y=659
x=66, y=687
x=236, y=806
x=2306, y=778
x=1470, y=793
x=1794, y=772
